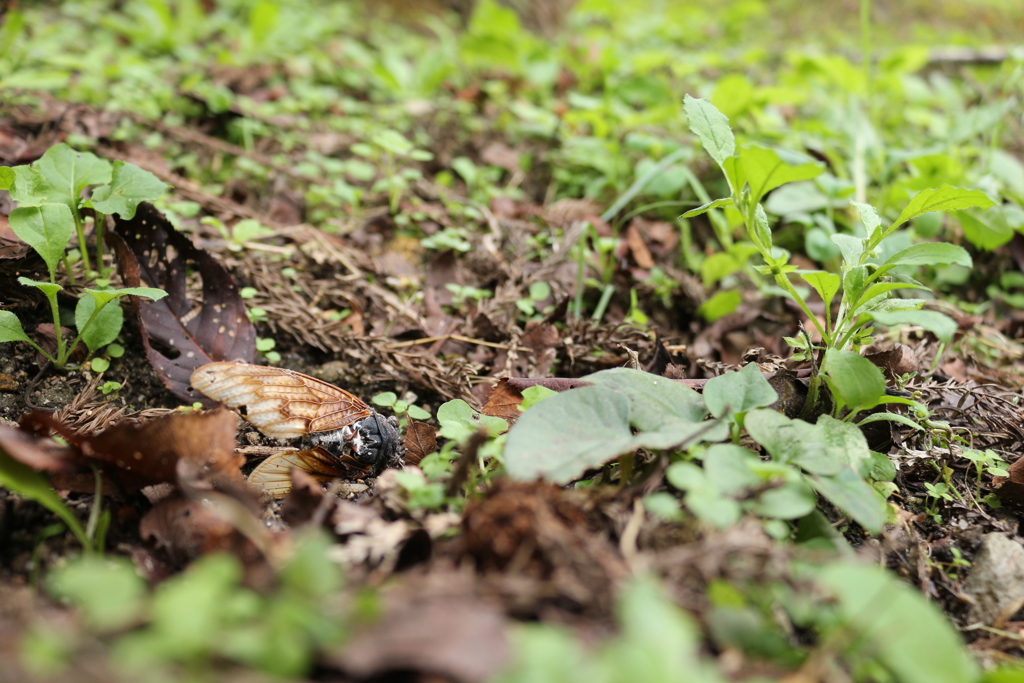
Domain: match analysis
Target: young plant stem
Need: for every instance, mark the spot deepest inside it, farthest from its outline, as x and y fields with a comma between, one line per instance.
x=100, y=220
x=80, y=231
x=95, y=512
x=55, y=312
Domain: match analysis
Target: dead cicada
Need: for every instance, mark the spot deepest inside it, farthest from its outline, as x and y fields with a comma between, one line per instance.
x=344, y=435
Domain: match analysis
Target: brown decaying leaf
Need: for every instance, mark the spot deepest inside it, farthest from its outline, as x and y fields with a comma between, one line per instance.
x=894, y=362
x=151, y=252
x=503, y=401
x=420, y=441
x=641, y=254
x=451, y=638
x=187, y=528
x=130, y=456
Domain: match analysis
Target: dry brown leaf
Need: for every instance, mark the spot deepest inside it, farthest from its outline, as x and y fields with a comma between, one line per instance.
x=180, y=334
x=503, y=401
x=420, y=441
x=641, y=254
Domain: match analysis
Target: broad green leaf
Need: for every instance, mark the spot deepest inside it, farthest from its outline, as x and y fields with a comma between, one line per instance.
x=28, y=187
x=107, y=589
x=939, y=324
x=715, y=509
x=854, y=496
x=729, y=467
x=885, y=305
x=129, y=186
x=10, y=328
x=46, y=229
x=764, y=170
x=67, y=172
x=896, y=625
x=568, y=434
x=720, y=305
x=852, y=248
x=845, y=442
x=99, y=330
x=686, y=476
x=945, y=198
x=738, y=392
x=793, y=441
x=987, y=230
x=459, y=421
x=724, y=201
x=825, y=284
x=681, y=432
x=711, y=127
x=103, y=296
x=25, y=481
x=654, y=401
x=868, y=216
x=6, y=178
x=858, y=382
x=929, y=254
x=790, y=500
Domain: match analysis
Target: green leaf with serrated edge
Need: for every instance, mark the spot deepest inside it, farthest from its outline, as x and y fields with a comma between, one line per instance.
x=895, y=305
x=66, y=173
x=738, y=392
x=945, y=198
x=762, y=232
x=6, y=178
x=878, y=289
x=852, y=248
x=102, y=296
x=854, y=496
x=893, y=624
x=939, y=324
x=10, y=328
x=764, y=170
x=129, y=187
x=104, y=327
x=868, y=216
x=22, y=479
x=569, y=434
x=724, y=201
x=653, y=401
x=46, y=229
x=792, y=441
x=47, y=288
x=858, y=382
x=28, y=187
x=825, y=284
x=711, y=127
x=929, y=254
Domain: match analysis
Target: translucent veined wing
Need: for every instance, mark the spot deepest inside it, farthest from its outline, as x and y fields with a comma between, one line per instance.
x=274, y=475
x=281, y=403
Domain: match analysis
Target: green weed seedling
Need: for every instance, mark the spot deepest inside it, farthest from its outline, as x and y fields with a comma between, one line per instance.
x=50, y=203
x=626, y=410
x=866, y=281
x=405, y=410
x=388, y=149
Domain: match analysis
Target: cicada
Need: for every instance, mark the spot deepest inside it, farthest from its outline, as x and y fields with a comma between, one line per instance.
x=343, y=436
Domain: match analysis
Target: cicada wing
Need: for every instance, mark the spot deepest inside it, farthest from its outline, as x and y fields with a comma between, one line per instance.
x=274, y=475
x=281, y=403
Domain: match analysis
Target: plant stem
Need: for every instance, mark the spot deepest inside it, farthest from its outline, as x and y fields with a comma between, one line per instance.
x=80, y=230
x=606, y=296
x=61, y=358
x=100, y=219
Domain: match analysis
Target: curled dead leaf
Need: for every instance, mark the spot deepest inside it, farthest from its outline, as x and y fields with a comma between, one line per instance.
x=180, y=334
x=420, y=441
